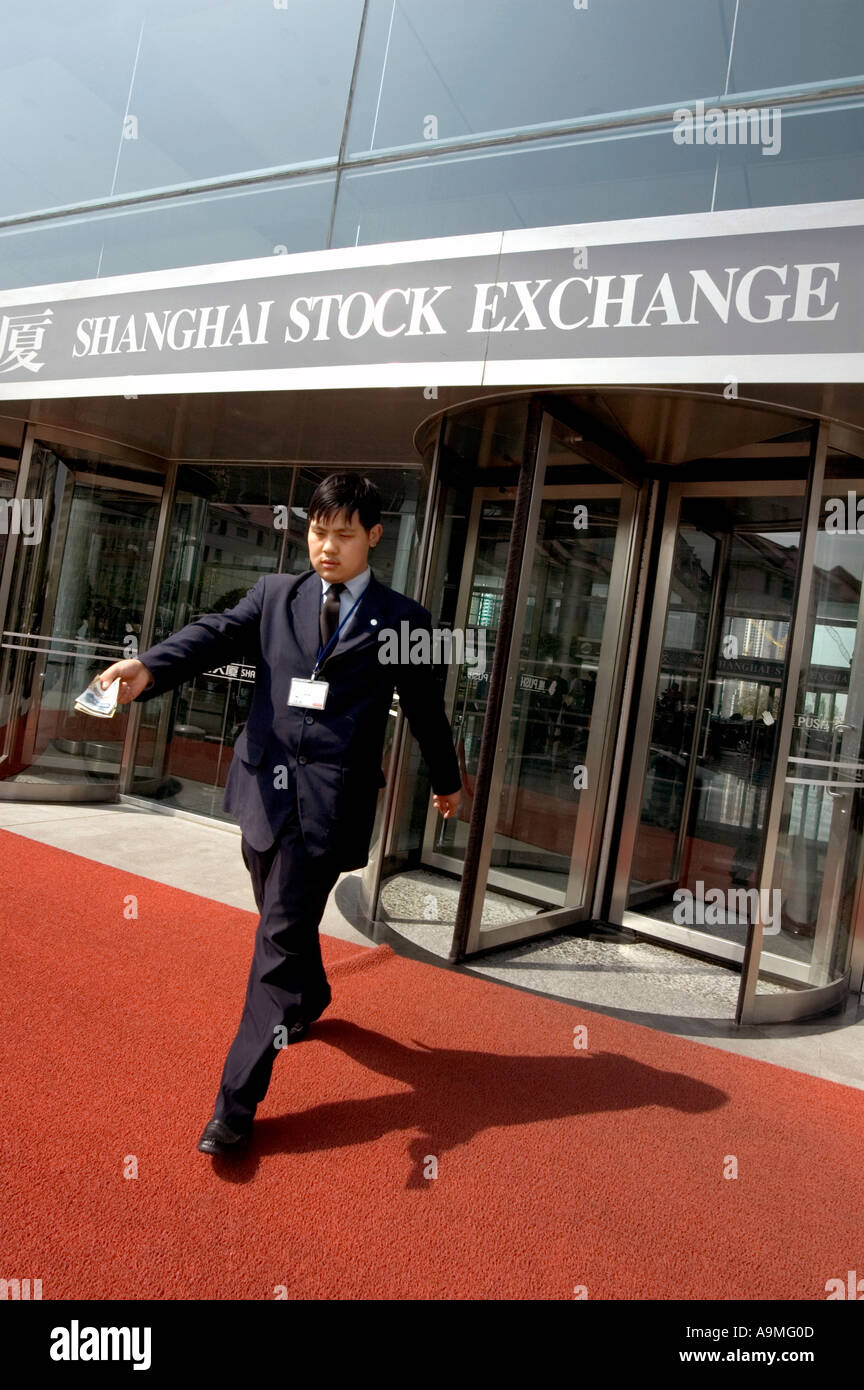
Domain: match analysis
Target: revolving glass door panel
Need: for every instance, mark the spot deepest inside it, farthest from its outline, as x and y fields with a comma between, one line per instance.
x=820, y=848
x=697, y=805
x=552, y=745
x=76, y=605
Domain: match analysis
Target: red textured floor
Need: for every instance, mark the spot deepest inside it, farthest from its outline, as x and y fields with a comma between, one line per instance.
x=557, y=1167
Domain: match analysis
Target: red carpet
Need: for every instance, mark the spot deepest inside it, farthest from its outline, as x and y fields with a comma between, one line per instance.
x=556, y=1167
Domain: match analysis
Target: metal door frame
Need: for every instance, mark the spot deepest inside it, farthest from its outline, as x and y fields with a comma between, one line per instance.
x=393, y=795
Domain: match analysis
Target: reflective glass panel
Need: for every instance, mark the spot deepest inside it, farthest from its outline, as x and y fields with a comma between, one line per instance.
x=113, y=98
x=77, y=604
x=240, y=224
x=442, y=71
x=780, y=43
x=543, y=183
x=806, y=156
x=699, y=842
x=547, y=771
x=819, y=854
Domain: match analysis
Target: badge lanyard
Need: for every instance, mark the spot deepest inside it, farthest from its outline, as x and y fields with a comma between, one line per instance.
x=323, y=651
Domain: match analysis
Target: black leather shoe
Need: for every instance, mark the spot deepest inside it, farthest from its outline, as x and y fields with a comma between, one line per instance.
x=298, y=1030
x=219, y=1139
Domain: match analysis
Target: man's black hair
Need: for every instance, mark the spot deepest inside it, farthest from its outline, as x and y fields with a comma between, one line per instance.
x=348, y=493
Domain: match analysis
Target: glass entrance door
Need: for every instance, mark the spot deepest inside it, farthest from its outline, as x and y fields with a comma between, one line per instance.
x=815, y=852
x=696, y=813
x=545, y=805
x=743, y=826
x=541, y=836
x=76, y=604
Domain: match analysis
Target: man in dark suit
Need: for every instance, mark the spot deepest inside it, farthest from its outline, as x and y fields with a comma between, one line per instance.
x=306, y=770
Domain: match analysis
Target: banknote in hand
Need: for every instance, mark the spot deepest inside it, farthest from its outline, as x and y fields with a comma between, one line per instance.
x=95, y=700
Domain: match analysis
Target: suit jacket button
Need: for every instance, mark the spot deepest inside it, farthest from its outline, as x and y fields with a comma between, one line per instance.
x=301, y=760
x=309, y=719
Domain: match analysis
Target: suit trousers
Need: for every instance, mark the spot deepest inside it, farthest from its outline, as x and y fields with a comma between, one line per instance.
x=287, y=981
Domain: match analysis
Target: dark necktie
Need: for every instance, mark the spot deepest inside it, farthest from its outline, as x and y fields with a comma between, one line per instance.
x=330, y=613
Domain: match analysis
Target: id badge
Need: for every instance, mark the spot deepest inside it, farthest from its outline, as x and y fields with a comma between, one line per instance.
x=308, y=694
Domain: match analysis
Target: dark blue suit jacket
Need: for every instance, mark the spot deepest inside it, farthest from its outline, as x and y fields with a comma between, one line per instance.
x=327, y=762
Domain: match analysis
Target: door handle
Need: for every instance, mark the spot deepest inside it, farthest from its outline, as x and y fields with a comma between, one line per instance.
x=836, y=736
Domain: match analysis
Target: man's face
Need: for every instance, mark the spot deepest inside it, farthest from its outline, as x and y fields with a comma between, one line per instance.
x=339, y=547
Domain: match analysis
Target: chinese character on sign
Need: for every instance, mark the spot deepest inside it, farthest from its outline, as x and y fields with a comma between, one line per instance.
x=21, y=337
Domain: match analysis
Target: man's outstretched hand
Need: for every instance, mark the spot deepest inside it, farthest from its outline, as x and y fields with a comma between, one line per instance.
x=134, y=678
x=447, y=805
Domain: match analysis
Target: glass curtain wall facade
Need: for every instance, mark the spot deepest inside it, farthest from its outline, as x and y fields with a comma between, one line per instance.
x=164, y=133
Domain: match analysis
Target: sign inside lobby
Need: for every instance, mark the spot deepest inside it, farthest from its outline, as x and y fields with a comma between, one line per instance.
x=773, y=294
